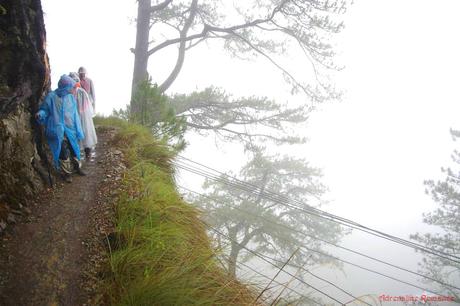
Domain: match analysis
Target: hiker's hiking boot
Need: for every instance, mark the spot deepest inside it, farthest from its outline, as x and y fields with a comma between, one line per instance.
x=77, y=167
x=66, y=177
x=66, y=166
x=81, y=172
x=66, y=170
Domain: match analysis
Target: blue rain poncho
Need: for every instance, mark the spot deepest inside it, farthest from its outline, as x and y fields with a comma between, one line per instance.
x=59, y=114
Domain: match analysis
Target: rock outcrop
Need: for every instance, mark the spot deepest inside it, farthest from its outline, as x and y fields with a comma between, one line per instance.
x=24, y=79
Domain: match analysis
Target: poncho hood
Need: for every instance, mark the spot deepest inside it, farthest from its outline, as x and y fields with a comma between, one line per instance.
x=65, y=85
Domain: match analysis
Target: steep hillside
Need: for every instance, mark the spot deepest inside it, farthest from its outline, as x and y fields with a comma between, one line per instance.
x=162, y=254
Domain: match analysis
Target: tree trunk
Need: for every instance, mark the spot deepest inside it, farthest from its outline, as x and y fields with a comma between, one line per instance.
x=141, y=56
x=233, y=257
x=238, y=246
x=24, y=79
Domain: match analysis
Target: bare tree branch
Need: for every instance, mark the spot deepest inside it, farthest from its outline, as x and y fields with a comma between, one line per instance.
x=182, y=48
x=209, y=28
x=305, y=89
x=159, y=6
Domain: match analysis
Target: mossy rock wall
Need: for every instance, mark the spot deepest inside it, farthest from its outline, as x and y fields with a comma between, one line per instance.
x=24, y=79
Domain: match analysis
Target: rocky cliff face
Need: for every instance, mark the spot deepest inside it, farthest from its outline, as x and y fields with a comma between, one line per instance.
x=24, y=78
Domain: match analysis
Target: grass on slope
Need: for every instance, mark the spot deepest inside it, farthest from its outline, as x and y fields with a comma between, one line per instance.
x=165, y=256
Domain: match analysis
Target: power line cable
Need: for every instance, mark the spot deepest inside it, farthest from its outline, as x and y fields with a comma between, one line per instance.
x=277, y=282
x=280, y=269
x=333, y=244
x=343, y=221
x=317, y=277
x=373, y=271
x=272, y=264
x=298, y=208
x=275, y=197
x=364, y=268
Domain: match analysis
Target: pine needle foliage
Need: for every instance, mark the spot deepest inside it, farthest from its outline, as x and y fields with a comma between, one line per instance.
x=155, y=113
x=164, y=256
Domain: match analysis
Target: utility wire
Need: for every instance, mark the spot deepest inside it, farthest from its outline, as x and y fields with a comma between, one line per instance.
x=351, y=263
x=280, y=269
x=250, y=188
x=283, y=200
x=295, y=207
x=272, y=264
x=373, y=271
x=317, y=277
x=277, y=282
x=331, y=243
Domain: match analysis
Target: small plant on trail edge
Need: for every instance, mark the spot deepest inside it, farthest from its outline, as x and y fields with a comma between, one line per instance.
x=156, y=113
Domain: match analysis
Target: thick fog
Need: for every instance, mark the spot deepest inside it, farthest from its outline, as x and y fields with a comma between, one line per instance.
x=376, y=146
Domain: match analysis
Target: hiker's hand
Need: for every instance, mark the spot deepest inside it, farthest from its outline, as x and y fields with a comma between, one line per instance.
x=39, y=116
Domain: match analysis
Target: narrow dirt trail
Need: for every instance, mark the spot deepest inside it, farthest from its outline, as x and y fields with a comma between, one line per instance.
x=44, y=257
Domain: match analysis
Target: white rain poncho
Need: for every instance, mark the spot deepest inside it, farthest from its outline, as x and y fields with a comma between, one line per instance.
x=86, y=112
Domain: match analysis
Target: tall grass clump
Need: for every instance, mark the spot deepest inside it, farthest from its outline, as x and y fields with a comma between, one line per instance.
x=163, y=255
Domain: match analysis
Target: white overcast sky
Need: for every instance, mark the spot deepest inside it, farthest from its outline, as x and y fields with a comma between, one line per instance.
x=390, y=132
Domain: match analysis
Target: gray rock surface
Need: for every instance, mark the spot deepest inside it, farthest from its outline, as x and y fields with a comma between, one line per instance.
x=24, y=80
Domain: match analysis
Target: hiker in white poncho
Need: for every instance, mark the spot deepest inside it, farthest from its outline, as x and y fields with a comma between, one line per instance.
x=86, y=112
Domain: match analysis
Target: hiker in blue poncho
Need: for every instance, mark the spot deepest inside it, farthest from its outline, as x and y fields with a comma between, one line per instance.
x=59, y=114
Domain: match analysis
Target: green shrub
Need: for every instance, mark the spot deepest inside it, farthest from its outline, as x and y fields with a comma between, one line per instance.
x=155, y=112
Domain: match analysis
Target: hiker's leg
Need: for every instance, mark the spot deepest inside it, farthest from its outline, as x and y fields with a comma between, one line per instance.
x=65, y=149
x=87, y=153
x=65, y=162
x=76, y=163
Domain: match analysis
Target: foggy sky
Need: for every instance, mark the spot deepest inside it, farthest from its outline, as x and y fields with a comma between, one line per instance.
x=390, y=132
